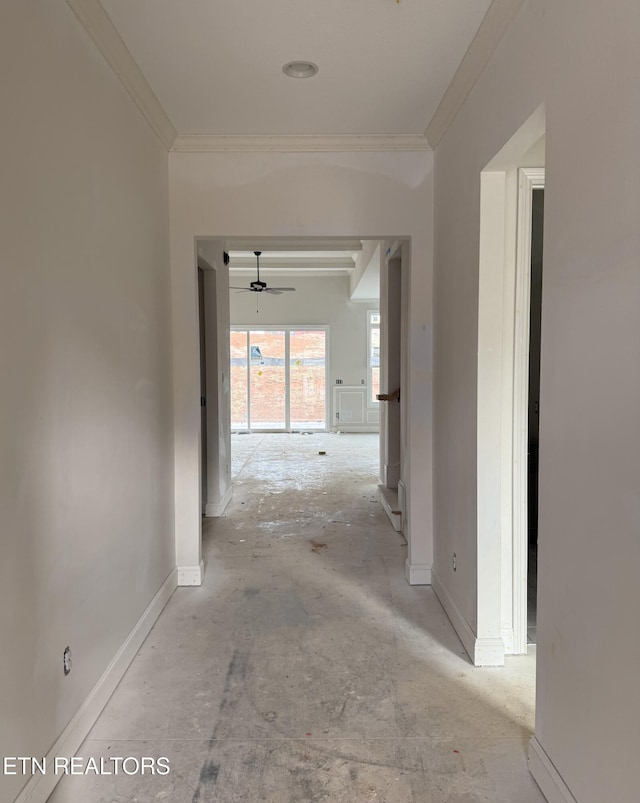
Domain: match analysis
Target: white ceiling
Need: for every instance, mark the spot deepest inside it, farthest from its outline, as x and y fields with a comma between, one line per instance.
x=216, y=65
x=293, y=262
x=311, y=257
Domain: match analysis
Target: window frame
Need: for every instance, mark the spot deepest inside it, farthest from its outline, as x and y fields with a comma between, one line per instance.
x=372, y=402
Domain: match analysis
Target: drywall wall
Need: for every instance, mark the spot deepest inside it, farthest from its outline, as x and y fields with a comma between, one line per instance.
x=86, y=432
x=317, y=300
x=364, y=282
x=218, y=385
x=587, y=710
x=363, y=195
x=588, y=707
x=507, y=94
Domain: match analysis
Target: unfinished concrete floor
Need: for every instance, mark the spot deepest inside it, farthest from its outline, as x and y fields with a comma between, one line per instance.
x=306, y=669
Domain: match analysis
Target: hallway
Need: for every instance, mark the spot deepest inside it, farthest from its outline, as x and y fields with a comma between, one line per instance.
x=306, y=668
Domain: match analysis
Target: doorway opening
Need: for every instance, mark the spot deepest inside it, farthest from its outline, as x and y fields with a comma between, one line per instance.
x=526, y=401
x=533, y=404
x=308, y=362
x=278, y=379
x=508, y=379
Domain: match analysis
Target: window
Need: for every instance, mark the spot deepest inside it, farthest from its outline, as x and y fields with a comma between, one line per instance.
x=279, y=378
x=373, y=348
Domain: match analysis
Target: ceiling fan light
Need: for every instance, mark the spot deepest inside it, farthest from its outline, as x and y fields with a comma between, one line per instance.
x=300, y=69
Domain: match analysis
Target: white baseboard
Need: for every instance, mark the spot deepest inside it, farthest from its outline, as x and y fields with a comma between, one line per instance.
x=391, y=474
x=547, y=776
x=39, y=787
x=191, y=575
x=354, y=429
x=417, y=574
x=508, y=639
x=482, y=651
x=215, y=510
x=402, y=504
x=389, y=502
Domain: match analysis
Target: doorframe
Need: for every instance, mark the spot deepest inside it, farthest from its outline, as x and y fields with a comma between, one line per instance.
x=287, y=329
x=497, y=573
x=529, y=179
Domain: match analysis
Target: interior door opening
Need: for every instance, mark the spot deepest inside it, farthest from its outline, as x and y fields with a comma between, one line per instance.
x=537, y=234
x=203, y=387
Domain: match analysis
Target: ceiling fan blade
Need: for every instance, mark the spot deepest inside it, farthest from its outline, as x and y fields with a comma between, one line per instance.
x=239, y=288
x=274, y=291
x=282, y=289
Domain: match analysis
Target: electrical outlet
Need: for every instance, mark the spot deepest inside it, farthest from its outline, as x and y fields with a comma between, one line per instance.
x=454, y=562
x=362, y=382
x=66, y=660
x=338, y=381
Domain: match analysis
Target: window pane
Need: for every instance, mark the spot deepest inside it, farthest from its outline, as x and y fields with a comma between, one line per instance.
x=374, y=355
x=375, y=383
x=307, y=376
x=268, y=381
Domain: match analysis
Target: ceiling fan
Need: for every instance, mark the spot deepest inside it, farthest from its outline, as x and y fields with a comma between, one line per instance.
x=261, y=287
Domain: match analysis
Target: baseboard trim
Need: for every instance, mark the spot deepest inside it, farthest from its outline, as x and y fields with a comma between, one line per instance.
x=216, y=510
x=354, y=429
x=389, y=502
x=39, y=787
x=482, y=651
x=402, y=504
x=391, y=475
x=509, y=640
x=547, y=776
x=191, y=575
x=417, y=574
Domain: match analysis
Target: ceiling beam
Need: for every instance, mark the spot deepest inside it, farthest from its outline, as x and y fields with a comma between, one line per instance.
x=270, y=246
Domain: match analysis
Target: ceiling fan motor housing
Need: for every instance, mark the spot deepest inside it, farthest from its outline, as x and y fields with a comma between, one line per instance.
x=258, y=286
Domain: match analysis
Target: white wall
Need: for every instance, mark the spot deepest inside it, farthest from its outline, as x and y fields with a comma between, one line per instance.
x=364, y=195
x=86, y=432
x=218, y=380
x=589, y=595
x=581, y=59
x=364, y=282
x=508, y=92
x=317, y=300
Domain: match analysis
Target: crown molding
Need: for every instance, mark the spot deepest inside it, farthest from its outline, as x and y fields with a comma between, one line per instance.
x=492, y=28
x=98, y=25
x=298, y=143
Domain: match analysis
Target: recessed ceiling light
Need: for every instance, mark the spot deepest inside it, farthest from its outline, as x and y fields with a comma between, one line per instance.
x=300, y=69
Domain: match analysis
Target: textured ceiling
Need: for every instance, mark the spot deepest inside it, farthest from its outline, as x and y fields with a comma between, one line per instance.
x=216, y=65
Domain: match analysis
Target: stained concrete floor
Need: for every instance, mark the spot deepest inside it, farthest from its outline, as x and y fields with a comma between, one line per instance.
x=305, y=669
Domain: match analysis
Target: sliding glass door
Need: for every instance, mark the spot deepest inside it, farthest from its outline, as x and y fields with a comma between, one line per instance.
x=278, y=379
x=267, y=380
x=307, y=379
